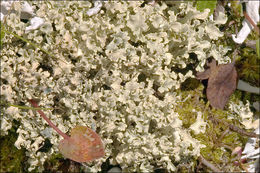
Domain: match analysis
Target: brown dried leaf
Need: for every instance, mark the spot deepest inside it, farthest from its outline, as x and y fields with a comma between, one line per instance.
x=203, y=75
x=206, y=74
x=222, y=83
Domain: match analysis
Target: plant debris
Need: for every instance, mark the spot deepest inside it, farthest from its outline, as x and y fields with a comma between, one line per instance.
x=84, y=145
x=222, y=82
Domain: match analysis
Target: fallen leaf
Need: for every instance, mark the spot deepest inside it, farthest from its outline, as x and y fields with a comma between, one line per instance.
x=84, y=145
x=221, y=84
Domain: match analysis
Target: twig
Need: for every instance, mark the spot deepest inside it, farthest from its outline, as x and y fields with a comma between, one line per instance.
x=234, y=55
x=223, y=134
x=226, y=146
x=243, y=167
x=235, y=128
x=209, y=165
x=242, y=131
x=252, y=23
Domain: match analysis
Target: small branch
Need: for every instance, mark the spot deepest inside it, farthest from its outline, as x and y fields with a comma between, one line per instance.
x=242, y=131
x=234, y=55
x=252, y=23
x=227, y=146
x=209, y=165
x=235, y=128
x=223, y=134
x=243, y=167
x=34, y=104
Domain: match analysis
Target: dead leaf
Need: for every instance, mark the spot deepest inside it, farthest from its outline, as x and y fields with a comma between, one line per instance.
x=84, y=145
x=221, y=84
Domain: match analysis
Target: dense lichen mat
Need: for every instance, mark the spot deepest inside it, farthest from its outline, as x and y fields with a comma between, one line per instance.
x=125, y=69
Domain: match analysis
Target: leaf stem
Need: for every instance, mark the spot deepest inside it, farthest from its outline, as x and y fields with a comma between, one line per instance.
x=34, y=104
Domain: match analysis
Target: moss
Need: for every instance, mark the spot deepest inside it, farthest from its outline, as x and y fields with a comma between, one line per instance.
x=11, y=158
x=187, y=116
x=248, y=67
x=57, y=163
x=195, y=102
x=189, y=84
x=232, y=138
x=218, y=147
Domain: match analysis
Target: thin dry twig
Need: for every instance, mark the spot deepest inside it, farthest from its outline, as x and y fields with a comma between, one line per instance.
x=252, y=23
x=226, y=146
x=224, y=134
x=235, y=128
x=209, y=165
x=243, y=167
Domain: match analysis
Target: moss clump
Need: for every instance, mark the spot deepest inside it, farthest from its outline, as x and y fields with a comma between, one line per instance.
x=57, y=163
x=11, y=158
x=218, y=139
x=248, y=66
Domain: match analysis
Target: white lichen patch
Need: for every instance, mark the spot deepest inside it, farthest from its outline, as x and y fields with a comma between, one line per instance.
x=200, y=125
x=244, y=113
x=115, y=71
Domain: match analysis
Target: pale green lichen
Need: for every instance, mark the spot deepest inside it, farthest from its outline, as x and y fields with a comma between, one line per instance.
x=116, y=71
x=200, y=125
x=244, y=114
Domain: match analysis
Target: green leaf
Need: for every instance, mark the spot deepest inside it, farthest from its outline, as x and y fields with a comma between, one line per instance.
x=257, y=48
x=202, y=5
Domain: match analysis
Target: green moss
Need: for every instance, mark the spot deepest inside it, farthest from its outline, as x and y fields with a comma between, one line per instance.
x=217, y=155
x=11, y=158
x=187, y=112
x=232, y=138
x=190, y=84
x=218, y=146
x=185, y=109
x=54, y=163
x=248, y=66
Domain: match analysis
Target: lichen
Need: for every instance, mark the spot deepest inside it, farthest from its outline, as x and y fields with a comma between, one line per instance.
x=120, y=72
